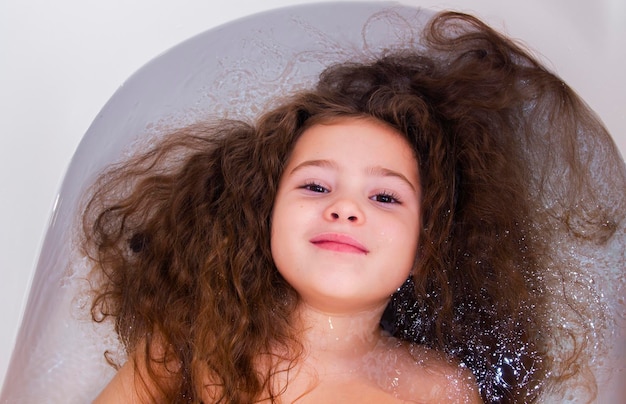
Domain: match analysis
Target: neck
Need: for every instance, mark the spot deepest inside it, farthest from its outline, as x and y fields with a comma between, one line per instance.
x=337, y=337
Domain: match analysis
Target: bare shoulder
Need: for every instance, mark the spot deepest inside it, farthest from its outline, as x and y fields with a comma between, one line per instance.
x=418, y=374
x=134, y=382
x=449, y=380
x=121, y=389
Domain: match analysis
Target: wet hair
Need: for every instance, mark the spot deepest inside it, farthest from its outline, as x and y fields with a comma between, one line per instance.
x=180, y=234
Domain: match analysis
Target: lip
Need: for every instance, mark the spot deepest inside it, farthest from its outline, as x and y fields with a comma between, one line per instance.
x=338, y=242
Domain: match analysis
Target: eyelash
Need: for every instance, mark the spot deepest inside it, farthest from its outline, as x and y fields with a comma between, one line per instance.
x=314, y=187
x=386, y=197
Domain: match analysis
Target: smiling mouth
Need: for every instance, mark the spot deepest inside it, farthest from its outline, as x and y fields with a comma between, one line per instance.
x=339, y=243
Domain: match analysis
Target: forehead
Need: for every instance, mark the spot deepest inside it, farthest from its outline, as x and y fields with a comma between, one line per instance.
x=355, y=144
x=356, y=133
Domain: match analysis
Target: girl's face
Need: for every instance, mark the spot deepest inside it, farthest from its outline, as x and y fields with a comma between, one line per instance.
x=346, y=216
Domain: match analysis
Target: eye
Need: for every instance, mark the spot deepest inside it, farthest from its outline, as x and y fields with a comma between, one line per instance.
x=385, y=197
x=314, y=187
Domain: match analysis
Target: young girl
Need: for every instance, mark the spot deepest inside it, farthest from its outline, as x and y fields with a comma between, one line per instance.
x=384, y=237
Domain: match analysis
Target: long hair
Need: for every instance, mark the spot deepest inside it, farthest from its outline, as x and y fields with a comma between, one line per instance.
x=180, y=235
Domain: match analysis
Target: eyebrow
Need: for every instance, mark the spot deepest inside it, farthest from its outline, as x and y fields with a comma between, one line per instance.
x=314, y=163
x=385, y=172
x=376, y=170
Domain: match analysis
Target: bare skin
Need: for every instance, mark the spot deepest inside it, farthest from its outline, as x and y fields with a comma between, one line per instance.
x=348, y=359
x=345, y=230
x=132, y=383
x=121, y=388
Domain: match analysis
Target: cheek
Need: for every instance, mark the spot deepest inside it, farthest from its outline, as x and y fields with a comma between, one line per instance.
x=276, y=234
x=285, y=225
x=278, y=249
x=403, y=240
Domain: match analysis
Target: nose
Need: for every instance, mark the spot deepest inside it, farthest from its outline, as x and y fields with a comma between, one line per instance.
x=344, y=209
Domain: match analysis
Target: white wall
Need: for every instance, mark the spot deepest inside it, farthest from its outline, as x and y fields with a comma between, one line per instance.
x=61, y=61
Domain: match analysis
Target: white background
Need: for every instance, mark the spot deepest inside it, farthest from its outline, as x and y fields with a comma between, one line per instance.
x=60, y=61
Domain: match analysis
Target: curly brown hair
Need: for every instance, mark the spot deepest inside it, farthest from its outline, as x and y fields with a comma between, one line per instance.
x=180, y=235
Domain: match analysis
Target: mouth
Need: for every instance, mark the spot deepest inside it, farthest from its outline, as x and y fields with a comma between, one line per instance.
x=339, y=242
